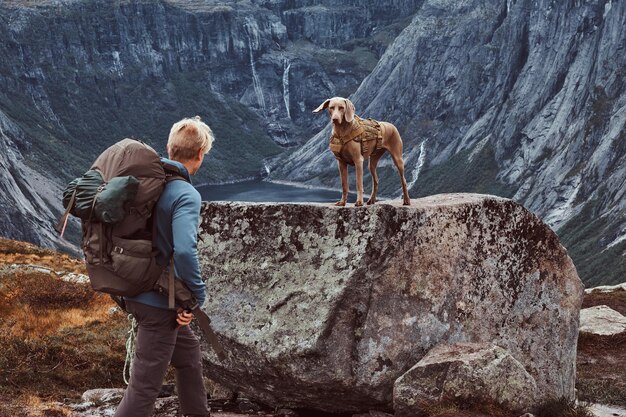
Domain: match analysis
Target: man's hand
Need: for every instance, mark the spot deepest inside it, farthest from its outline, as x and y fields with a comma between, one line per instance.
x=183, y=318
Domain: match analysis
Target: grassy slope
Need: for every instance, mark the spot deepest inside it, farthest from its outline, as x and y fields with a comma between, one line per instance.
x=582, y=236
x=601, y=364
x=59, y=338
x=92, y=121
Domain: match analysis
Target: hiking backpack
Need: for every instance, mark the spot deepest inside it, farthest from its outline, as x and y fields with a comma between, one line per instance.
x=115, y=201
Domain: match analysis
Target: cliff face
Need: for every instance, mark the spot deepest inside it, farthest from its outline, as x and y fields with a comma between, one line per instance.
x=77, y=76
x=523, y=100
x=27, y=198
x=526, y=100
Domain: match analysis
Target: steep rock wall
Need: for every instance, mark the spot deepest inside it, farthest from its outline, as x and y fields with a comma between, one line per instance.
x=77, y=76
x=521, y=99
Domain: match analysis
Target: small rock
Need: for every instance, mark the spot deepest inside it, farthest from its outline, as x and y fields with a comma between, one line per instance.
x=285, y=412
x=602, y=321
x=220, y=392
x=73, y=277
x=101, y=396
x=167, y=390
x=247, y=406
x=606, y=288
x=600, y=410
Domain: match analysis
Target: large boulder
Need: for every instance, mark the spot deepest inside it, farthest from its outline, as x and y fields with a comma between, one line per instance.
x=325, y=307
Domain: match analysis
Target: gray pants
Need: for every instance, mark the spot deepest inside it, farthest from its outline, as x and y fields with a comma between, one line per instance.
x=159, y=342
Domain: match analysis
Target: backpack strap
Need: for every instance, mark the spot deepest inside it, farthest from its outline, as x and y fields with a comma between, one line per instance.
x=62, y=224
x=172, y=172
x=171, y=286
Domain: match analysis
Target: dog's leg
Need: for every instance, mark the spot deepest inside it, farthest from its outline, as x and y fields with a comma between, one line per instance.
x=358, y=167
x=399, y=163
x=343, y=172
x=372, y=166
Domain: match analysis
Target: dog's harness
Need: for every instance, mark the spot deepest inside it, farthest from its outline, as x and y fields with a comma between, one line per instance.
x=363, y=131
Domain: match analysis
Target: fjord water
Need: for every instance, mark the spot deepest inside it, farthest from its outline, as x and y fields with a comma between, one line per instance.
x=263, y=191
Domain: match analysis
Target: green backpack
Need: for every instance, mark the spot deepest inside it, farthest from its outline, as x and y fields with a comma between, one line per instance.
x=115, y=201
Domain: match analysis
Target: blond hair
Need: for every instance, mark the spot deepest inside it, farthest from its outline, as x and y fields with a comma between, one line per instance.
x=188, y=137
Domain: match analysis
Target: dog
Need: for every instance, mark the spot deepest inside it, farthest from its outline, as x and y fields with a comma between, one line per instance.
x=354, y=140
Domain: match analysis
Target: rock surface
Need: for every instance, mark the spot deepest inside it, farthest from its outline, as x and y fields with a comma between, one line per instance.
x=460, y=372
x=602, y=321
x=320, y=306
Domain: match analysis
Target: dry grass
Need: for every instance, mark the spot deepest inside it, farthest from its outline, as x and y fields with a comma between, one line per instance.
x=614, y=299
x=553, y=408
x=58, y=338
x=601, y=360
x=466, y=409
x=562, y=408
x=22, y=253
x=32, y=406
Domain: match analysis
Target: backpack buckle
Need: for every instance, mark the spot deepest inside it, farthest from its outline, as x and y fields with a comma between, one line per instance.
x=118, y=249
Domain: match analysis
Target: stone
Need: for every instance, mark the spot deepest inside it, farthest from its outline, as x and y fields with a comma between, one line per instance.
x=247, y=406
x=102, y=396
x=461, y=372
x=602, y=321
x=285, y=412
x=602, y=410
x=323, y=307
x=606, y=288
x=219, y=392
x=373, y=413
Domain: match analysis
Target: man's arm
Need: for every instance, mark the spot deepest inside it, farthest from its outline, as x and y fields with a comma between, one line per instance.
x=185, y=222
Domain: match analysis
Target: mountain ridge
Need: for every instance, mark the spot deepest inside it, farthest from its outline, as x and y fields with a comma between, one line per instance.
x=530, y=100
x=522, y=100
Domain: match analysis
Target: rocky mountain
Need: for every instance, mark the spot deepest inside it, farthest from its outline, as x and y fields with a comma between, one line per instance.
x=516, y=98
x=523, y=99
x=77, y=76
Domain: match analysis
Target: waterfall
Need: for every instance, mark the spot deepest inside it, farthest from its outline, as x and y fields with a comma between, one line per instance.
x=607, y=8
x=418, y=167
x=287, y=66
x=252, y=32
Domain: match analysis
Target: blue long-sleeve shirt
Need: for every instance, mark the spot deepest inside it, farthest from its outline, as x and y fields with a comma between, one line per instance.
x=177, y=217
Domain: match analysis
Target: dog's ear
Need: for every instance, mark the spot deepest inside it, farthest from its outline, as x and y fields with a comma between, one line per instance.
x=349, y=110
x=322, y=106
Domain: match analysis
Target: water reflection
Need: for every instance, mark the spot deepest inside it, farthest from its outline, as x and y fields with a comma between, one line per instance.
x=262, y=191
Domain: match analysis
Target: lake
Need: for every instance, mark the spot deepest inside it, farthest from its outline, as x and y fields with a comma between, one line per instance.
x=263, y=191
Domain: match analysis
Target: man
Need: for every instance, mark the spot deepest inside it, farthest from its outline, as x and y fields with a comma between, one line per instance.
x=163, y=335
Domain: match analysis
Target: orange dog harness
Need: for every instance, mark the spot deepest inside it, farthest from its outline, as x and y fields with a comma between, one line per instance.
x=363, y=131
